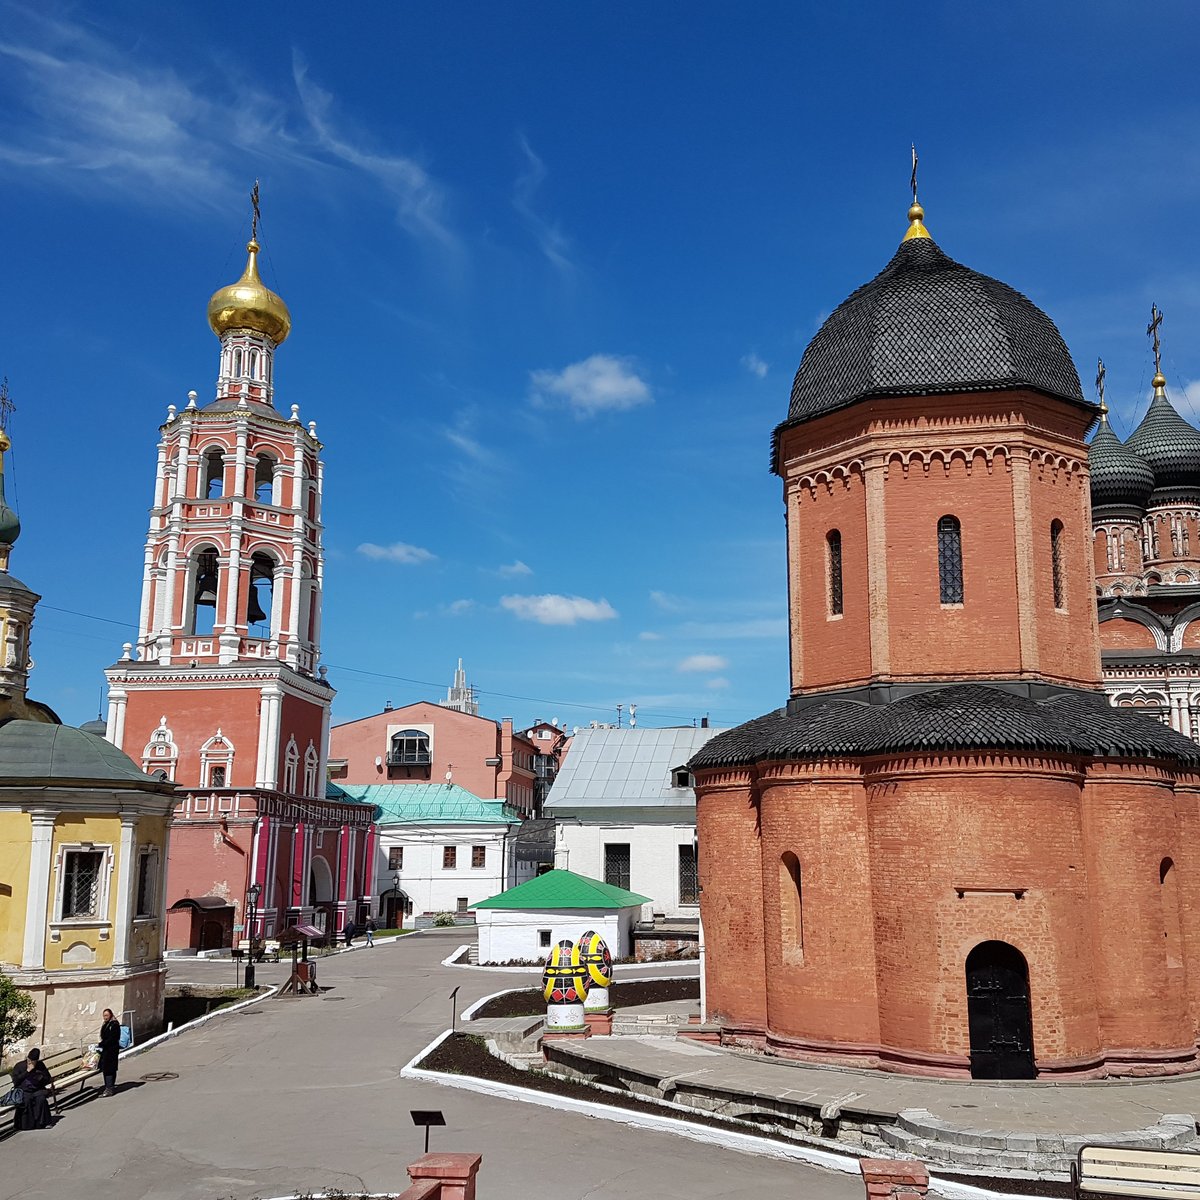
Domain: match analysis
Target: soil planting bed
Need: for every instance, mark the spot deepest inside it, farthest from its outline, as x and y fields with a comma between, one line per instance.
x=529, y=1002
x=465, y=1054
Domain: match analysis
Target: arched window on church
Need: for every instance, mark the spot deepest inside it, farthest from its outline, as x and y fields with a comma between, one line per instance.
x=261, y=601
x=833, y=553
x=237, y=364
x=1168, y=888
x=205, y=586
x=291, y=764
x=253, y=364
x=1057, y=564
x=213, y=483
x=791, y=910
x=950, y=567
x=264, y=479
x=311, y=761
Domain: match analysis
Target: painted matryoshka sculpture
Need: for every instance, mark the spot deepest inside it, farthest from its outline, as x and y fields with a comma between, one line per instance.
x=565, y=984
x=597, y=961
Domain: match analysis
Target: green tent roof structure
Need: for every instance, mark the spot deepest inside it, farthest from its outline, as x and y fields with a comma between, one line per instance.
x=429, y=804
x=563, y=889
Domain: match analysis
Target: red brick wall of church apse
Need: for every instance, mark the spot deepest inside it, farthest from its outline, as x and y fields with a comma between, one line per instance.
x=994, y=823
x=1121, y=634
x=1187, y=807
x=1067, y=638
x=728, y=840
x=193, y=716
x=832, y=649
x=1131, y=827
x=1191, y=635
x=819, y=935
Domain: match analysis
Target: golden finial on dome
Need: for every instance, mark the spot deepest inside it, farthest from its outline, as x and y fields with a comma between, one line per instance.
x=1100, y=373
x=916, y=214
x=249, y=303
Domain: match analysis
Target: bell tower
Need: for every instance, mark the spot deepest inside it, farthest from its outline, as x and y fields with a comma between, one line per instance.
x=222, y=689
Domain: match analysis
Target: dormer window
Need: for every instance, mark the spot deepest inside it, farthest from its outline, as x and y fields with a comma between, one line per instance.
x=409, y=748
x=681, y=777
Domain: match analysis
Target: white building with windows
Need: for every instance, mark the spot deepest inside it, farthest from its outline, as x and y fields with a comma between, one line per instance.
x=626, y=813
x=440, y=849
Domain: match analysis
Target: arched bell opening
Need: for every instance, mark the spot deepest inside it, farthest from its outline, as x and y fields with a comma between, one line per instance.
x=204, y=591
x=212, y=485
x=260, y=602
x=264, y=479
x=999, y=1013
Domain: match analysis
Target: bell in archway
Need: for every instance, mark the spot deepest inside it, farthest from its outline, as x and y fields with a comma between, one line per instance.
x=206, y=590
x=254, y=612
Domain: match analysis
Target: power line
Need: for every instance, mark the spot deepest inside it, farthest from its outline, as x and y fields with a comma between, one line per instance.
x=426, y=683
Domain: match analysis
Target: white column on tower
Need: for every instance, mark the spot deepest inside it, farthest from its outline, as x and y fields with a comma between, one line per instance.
x=127, y=871
x=37, y=903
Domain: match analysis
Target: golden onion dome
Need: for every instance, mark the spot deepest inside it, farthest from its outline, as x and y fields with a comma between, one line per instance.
x=250, y=304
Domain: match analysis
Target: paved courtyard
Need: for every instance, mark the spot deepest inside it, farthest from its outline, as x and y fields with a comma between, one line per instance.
x=301, y=1095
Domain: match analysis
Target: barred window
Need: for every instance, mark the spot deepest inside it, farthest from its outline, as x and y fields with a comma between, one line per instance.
x=689, y=881
x=616, y=864
x=833, y=540
x=81, y=883
x=950, y=569
x=478, y=856
x=1056, y=564
x=147, y=882
x=395, y=858
x=449, y=858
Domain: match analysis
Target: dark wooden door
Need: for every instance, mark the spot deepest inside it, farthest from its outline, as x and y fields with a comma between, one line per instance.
x=998, y=1013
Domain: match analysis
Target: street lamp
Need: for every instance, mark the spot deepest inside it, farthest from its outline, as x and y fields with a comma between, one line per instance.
x=398, y=915
x=253, y=895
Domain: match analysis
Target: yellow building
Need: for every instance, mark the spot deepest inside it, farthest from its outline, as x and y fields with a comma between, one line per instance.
x=83, y=847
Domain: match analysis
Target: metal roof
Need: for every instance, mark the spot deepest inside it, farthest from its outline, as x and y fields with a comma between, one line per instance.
x=623, y=768
x=563, y=889
x=38, y=750
x=429, y=804
x=960, y=717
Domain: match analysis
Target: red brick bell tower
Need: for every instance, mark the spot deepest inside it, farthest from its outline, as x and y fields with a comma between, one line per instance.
x=222, y=690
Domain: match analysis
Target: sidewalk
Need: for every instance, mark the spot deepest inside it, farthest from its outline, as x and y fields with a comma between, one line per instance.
x=1016, y=1127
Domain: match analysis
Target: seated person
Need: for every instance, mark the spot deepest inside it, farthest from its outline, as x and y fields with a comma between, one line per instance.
x=33, y=1080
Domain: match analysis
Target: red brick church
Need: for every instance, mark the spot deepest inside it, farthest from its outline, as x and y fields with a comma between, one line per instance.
x=948, y=854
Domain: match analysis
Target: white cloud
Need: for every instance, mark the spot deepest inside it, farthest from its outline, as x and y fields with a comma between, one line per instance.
x=513, y=569
x=666, y=602
x=755, y=365
x=601, y=383
x=551, y=240
x=459, y=608
x=397, y=552
x=648, y=636
x=419, y=199
x=553, y=609
x=703, y=662
x=717, y=684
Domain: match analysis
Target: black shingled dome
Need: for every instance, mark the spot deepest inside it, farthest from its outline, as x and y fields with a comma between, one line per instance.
x=1169, y=445
x=927, y=325
x=1120, y=478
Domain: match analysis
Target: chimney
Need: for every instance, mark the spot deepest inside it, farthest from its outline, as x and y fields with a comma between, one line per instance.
x=704, y=722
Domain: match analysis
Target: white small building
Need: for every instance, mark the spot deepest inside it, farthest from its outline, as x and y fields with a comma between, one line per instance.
x=440, y=849
x=522, y=924
x=626, y=813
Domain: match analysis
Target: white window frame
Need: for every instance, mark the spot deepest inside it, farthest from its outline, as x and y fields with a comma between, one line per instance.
x=152, y=888
x=103, y=885
x=211, y=756
x=160, y=752
x=311, y=761
x=291, y=766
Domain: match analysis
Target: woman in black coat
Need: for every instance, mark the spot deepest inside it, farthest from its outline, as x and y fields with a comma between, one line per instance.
x=33, y=1081
x=110, y=1047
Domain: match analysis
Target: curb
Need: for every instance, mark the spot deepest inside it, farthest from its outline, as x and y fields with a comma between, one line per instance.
x=742, y=1143
x=170, y=1034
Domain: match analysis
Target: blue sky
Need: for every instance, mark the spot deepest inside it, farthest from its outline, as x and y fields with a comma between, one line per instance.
x=551, y=269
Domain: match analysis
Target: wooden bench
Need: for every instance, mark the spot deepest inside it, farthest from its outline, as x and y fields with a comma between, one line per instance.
x=1123, y=1171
